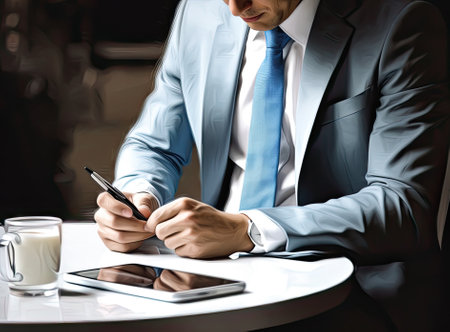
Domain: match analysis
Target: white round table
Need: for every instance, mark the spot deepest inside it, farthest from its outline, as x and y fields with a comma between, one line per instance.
x=278, y=291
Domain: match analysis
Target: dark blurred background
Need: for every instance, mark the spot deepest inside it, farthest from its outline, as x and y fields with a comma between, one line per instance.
x=73, y=77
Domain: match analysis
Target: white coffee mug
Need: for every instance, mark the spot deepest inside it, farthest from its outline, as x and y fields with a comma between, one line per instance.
x=30, y=255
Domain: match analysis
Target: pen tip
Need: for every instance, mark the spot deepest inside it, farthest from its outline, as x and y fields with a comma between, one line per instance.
x=88, y=170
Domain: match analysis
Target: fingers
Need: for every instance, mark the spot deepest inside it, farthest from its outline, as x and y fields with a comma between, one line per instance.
x=120, y=236
x=173, y=223
x=107, y=202
x=169, y=211
x=146, y=203
x=119, y=223
x=118, y=233
x=121, y=241
x=173, y=226
x=183, y=226
x=176, y=241
x=197, y=230
x=186, y=242
x=116, y=226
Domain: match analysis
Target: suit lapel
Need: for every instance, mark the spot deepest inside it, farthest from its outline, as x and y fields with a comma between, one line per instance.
x=327, y=41
x=218, y=104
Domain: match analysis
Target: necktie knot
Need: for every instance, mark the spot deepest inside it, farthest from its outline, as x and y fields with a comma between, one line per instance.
x=276, y=38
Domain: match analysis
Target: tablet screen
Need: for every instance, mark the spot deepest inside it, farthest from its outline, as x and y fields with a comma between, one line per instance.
x=152, y=277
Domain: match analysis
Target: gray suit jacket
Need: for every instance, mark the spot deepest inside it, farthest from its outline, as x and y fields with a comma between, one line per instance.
x=372, y=128
x=371, y=125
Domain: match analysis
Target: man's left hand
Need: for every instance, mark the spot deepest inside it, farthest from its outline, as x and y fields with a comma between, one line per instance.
x=197, y=230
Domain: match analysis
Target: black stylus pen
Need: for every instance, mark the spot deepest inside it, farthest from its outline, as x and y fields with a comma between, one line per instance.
x=114, y=192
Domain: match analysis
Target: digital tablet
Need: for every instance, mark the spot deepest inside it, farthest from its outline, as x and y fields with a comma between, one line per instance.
x=155, y=282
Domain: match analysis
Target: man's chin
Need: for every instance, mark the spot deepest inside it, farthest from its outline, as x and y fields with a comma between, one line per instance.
x=259, y=26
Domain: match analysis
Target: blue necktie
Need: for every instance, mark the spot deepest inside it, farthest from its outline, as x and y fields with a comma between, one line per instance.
x=260, y=178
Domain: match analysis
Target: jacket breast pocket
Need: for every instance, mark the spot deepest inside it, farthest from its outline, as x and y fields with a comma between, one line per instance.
x=338, y=150
x=347, y=107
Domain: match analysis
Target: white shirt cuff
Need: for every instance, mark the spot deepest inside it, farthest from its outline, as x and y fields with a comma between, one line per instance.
x=272, y=235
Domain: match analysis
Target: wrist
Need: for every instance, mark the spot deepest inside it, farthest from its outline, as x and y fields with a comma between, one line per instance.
x=246, y=243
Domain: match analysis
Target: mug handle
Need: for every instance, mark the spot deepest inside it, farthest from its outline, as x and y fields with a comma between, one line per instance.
x=7, y=255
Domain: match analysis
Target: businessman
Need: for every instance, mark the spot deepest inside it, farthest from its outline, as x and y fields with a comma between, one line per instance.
x=320, y=124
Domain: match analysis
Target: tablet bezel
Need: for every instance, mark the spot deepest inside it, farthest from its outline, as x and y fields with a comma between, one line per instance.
x=232, y=287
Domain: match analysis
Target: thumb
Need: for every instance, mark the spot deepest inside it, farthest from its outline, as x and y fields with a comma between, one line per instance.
x=146, y=203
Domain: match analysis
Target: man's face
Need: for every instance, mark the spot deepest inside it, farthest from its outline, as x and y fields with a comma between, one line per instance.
x=262, y=14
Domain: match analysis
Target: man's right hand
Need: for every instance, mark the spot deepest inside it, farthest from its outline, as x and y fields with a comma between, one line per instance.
x=117, y=227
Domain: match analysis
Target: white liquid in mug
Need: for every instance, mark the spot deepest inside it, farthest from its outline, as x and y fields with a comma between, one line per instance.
x=37, y=257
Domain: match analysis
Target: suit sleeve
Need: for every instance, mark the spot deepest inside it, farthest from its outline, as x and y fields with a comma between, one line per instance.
x=160, y=143
x=395, y=214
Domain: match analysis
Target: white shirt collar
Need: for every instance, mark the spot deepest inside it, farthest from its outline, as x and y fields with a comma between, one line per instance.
x=298, y=24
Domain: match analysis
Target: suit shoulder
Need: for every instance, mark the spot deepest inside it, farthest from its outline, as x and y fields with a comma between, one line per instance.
x=198, y=13
x=383, y=13
x=201, y=18
x=395, y=7
x=206, y=6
